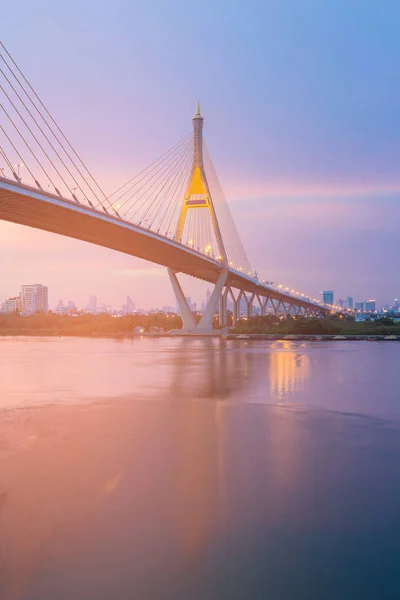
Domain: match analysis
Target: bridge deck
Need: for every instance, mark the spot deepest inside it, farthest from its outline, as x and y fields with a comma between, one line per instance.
x=27, y=206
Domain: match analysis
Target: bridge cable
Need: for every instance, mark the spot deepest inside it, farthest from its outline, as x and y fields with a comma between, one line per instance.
x=172, y=191
x=29, y=148
x=58, y=128
x=237, y=254
x=164, y=192
x=146, y=173
x=166, y=161
x=37, y=141
x=146, y=180
x=174, y=170
x=44, y=135
x=179, y=191
x=8, y=162
x=156, y=177
x=153, y=163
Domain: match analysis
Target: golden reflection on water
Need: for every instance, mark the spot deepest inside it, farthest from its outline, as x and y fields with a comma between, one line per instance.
x=289, y=370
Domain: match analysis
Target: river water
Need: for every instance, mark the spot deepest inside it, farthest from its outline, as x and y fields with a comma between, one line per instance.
x=199, y=469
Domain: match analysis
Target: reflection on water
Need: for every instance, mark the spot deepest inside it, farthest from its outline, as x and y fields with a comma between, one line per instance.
x=201, y=469
x=288, y=371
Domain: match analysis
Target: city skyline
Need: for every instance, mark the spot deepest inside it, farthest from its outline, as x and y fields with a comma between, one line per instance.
x=16, y=303
x=312, y=182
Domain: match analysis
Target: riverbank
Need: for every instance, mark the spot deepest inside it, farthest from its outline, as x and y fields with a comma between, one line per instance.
x=216, y=334
x=337, y=326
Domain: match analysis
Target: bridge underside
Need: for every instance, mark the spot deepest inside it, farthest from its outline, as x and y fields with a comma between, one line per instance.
x=88, y=225
x=22, y=205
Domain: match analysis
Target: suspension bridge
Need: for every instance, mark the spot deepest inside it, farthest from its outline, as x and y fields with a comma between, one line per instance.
x=173, y=213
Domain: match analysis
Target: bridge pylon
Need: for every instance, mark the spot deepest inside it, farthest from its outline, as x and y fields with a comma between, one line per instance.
x=197, y=194
x=198, y=197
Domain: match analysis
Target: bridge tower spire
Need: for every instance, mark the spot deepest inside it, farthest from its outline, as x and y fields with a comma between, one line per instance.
x=198, y=195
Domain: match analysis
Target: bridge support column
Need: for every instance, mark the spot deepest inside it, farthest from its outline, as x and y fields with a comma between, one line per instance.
x=283, y=306
x=263, y=301
x=206, y=320
x=221, y=311
x=236, y=310
x=188, y=320
x=249, y=306
x=223, y=307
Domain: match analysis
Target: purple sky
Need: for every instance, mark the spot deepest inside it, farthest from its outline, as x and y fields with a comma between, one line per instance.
x=301, y=102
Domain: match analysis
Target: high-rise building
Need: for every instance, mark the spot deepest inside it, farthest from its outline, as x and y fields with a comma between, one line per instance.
x=370, y=306
x=346, y=303
x=327, y=296
x=92, y=306
x=129, y=307
x=360, y=305
x=11, y=305
x=34, y=298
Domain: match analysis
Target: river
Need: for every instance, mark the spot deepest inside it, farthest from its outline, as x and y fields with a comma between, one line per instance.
x=199, y=469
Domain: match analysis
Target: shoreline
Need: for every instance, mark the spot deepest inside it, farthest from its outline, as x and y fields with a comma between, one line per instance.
x=217, y=334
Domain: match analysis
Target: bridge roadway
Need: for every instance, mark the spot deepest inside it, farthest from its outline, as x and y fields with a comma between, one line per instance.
x=26, y=205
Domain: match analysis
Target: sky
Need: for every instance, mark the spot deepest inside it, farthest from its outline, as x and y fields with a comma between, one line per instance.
x=301, y=101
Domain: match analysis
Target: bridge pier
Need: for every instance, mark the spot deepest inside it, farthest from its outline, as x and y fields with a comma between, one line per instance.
x=223, y=306
x=188, y=320
x=205, y=324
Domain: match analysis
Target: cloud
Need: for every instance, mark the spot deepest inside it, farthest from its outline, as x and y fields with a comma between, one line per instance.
x=300, y=189
x=358, y=213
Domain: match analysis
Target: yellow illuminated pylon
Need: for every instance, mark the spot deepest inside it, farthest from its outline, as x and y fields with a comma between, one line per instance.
x=198, y=195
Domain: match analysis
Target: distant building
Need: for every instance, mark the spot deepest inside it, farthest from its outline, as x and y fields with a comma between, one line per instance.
x=92, y=306
x=396, y=305
x=365, y=306
x=104, y=309
x=169, y=309
x=129, y=307
x=72, y=306
x=11, y=305
x=346, y=303
x=374, y=316
x=370, y=306
x=327, y=296
x=34, y=298
x=349, y=303
x=60, y=309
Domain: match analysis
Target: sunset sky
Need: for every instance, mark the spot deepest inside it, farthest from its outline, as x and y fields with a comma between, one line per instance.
x=301, y=100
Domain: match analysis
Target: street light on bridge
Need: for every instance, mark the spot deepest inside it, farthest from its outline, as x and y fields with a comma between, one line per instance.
x=18, y=167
